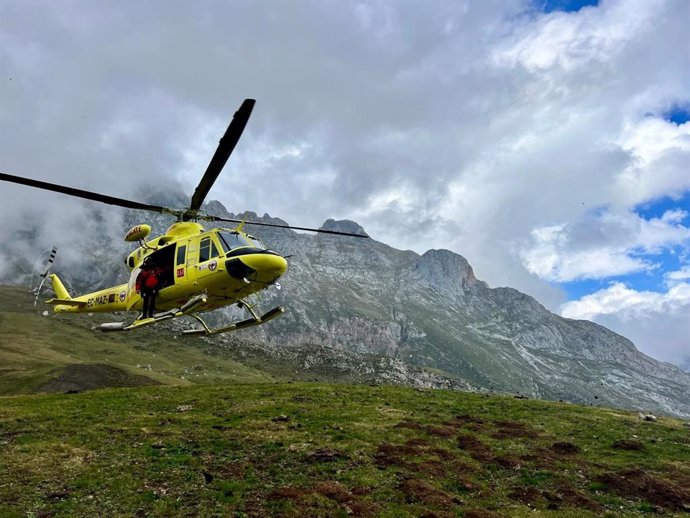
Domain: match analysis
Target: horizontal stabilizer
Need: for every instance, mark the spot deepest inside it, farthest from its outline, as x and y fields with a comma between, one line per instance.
x=66, y=302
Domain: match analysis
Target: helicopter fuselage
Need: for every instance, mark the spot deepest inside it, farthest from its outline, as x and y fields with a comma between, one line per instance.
x=227, y=265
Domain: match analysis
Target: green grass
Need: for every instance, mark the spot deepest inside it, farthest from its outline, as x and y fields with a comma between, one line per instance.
x=228, y=436
x=295, y=449
x=34, y=349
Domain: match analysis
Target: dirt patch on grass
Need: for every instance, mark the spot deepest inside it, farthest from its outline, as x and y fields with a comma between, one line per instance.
x=394, y=455
x=637, y=483
x=542, y=458
x=570, y=497
x=526, y=495
x=628, y=444
x=445, y=430
x=333, y=490
x=565, y=448
x=226, y=470
x=507, y=461
x=466, y=418
x=400, y=454
x=388, y=455
x=433, y=467
x=681, y=478
x=436, y=514
x=513, y=429
x=362, y=509
x=423, y=458
x=410, y=425
x=482, y=513
x=419, y=443
x=417, y=490
x=445, y=455
x=349, y=501
x=476, y=448
x=325, y=455
x=556, y=499
x=441, y=431
x=79, y=377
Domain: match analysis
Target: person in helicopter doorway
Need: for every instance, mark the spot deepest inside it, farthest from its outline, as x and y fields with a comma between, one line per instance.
x=148, y=284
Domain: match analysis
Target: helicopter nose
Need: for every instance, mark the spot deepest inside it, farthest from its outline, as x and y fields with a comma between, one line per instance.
x=258, y=267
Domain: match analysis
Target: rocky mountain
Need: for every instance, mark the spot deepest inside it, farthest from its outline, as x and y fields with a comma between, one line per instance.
x=350, y=296
x=363, y=296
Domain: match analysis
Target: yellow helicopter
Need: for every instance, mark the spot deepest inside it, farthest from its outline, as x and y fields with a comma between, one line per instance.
x=198, y=269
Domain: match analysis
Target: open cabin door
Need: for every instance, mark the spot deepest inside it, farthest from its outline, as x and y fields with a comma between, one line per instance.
x=163, y=259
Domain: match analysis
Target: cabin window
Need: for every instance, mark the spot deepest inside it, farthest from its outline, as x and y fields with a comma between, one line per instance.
x=181, y=254
x=207, y=250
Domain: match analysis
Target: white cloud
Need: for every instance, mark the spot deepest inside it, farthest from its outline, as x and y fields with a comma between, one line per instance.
x=603, y=245
x=628, y=303
x=677, y=277
x=660, y=153
x=658, y=323
x=571, y=40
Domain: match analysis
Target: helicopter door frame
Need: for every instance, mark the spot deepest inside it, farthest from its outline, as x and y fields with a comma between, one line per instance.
x=182, y=263
x=164, y=260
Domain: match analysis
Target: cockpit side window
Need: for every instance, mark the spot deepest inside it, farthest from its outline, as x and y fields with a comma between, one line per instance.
x=256, y=242
x=231, y=240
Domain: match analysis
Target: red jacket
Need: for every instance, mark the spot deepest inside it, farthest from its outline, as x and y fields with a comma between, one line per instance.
x=148, y=279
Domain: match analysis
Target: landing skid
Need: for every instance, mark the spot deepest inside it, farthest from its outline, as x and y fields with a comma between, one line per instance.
x=111, y=327
x=254, y=321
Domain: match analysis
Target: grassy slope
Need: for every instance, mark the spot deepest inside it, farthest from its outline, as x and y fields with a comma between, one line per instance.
x=34, y=349
x=299, y=449
x=332, y=450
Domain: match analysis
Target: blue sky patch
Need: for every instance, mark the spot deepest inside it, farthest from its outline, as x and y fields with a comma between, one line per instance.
x=575, y=290
x=568, y=6
x=656, y=208
x=668, y=260
x=652, y=280
x=677, y=115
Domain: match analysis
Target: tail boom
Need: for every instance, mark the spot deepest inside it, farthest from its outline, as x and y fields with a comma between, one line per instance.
x=103, y=301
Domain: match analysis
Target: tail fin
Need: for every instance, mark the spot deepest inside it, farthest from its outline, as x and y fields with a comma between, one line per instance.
x=59, y=289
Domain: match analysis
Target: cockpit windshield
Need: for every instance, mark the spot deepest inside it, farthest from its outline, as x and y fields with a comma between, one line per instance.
x=258, y=243
x=231, y=240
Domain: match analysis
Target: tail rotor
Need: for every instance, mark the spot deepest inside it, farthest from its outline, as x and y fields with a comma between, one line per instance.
x=44, y=275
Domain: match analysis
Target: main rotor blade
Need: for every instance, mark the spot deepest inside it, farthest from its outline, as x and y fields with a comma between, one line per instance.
x=225, y=148
x=320, y=230
x=94, y=196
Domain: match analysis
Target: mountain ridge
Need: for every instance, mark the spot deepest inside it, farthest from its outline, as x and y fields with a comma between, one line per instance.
x=433, y=311
x=362, y=296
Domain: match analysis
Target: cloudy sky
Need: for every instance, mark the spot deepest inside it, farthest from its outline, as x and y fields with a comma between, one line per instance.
x=545, y=140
